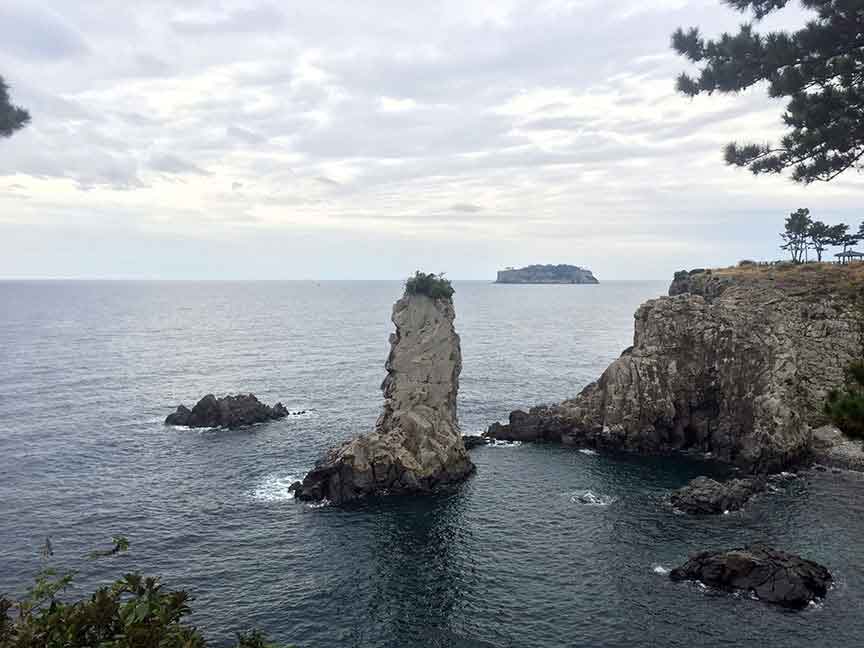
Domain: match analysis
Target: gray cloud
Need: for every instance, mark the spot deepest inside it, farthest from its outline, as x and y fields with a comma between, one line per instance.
x=264, y=18
x=477, y=123
x=466, y=208
x=30, y=31
x=168, y=163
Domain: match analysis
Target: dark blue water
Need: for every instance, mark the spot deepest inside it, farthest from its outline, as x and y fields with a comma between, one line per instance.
x=89, y=370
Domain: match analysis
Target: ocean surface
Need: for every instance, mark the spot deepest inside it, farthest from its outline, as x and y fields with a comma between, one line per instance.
x=89, y=370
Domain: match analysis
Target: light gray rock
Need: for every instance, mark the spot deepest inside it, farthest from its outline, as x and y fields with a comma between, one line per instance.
x=416, y=445
x=738, y=369
x=832, y=449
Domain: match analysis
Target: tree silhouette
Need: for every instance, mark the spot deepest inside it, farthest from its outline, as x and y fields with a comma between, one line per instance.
x=820, y=68
x=12, y=118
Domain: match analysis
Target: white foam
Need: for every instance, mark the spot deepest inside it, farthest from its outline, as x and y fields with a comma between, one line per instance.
x=589, y=498
x=587, y=451
x=659, y=569
x=274, y=488
x=497, y=443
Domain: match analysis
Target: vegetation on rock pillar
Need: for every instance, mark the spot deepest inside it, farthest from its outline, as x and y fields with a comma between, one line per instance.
x=431, y=284
x=820, y=68
x=134, y=611
x=12, y=118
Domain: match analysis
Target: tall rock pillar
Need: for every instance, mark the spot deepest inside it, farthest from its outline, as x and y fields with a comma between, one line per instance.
x=416, y=446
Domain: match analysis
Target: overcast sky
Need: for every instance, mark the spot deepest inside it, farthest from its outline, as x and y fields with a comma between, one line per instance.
x=361, y=139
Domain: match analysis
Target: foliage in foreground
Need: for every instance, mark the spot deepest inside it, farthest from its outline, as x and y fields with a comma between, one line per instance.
x=820, y=68
x=12, y=117
x=846, y=407
x=134, y=611
x=431, y=285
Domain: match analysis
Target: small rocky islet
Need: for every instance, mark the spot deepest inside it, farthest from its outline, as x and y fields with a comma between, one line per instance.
x=229, y=412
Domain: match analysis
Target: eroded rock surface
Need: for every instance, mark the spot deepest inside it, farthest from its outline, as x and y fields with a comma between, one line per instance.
x=773, y=576
x=740, y=369
x=706, y=496
x=416, y=445
x=228, y=412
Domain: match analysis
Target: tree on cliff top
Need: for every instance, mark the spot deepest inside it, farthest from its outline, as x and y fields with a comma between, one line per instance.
x=820, y=68
x=12, y=117
x=820, y=237
x=797, y=234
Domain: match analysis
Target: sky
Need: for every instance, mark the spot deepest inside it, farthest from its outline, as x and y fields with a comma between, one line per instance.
x=358, y=139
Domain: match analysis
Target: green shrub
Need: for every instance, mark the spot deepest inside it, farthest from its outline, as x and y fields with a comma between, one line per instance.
x=743, y=263
x=431, y=285
x=845, y=407
x=134, y=611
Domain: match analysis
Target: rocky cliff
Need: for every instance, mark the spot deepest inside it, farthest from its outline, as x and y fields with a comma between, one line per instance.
x=546, y=274
x=416, y=445
x=733, y=363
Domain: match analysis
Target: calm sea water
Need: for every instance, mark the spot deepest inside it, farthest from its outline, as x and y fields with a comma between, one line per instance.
x=88, y=371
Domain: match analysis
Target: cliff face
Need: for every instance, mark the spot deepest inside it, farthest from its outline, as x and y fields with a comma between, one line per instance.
x=416, y=445
x=737, y=367
x=547, y=274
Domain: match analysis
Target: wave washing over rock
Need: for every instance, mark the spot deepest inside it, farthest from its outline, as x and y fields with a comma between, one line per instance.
x=736, y=366
x=416, y=445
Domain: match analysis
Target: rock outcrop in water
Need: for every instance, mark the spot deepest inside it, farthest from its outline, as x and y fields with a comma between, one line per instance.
x=706, y=496
x=546, y=274
x=226, y=412
x=773, y=576
x=416, y=446
x=734, y=364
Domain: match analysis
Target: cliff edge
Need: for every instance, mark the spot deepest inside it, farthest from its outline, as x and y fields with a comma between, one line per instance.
x=416, y=445
x=736, y=363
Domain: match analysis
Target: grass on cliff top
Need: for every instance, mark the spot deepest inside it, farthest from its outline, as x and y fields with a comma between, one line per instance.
x=845, y=280
x=431, y=284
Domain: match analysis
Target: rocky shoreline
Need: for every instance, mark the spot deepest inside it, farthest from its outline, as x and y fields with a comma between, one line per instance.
x=733, y=367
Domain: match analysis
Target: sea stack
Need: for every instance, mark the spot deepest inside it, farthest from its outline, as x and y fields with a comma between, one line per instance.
x=416, y=446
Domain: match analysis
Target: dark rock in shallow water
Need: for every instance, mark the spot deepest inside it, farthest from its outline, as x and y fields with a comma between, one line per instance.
x=227, y=412
x=474, y=441
x=705, y=496
x=773, y=576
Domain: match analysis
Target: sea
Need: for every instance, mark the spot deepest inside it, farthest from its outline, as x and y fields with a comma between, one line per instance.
x=545, y=546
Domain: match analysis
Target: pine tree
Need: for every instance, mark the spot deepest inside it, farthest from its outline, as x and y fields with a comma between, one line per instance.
x=820, y=68
x=796, y=234
x=819, y=235
x=12, y=117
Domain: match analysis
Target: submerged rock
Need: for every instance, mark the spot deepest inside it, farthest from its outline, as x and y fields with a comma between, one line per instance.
x=227, y=412
x=416, y=446
x=706, y=496
x=734, y=366
x=773, y=576
x=472, y=441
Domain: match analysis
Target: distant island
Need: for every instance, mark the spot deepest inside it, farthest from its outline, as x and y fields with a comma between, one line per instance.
x=546, y=274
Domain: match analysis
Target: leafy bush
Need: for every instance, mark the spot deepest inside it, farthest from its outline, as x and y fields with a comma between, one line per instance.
x=134, y=611
x=431, y=285
x=846, y=407
x=743, y=263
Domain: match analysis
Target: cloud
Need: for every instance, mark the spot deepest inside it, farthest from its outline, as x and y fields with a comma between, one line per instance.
x=29, y=31
x=172, y=164
x=263, y=18
x=466, y=208
x=503, y=126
